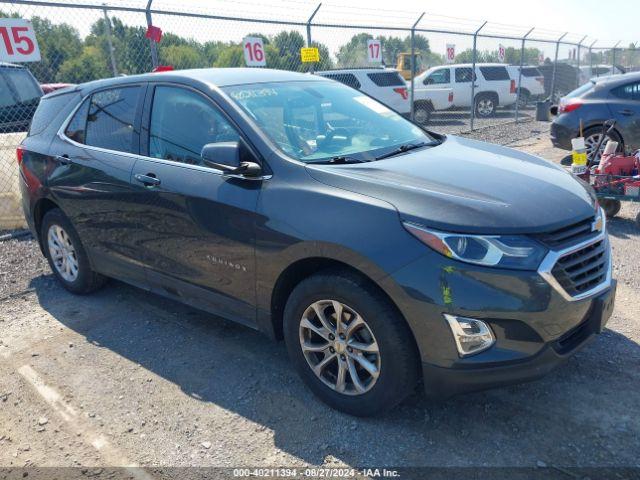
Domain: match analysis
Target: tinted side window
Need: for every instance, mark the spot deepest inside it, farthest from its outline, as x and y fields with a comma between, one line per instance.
x=48, y=109
x=111, y=119
x=77, y=127
x=348, y=79
x=438, y=77
x=495, y=73
x=24, y=84
x=531, y=72
x=182, y=122
x=387, y=79
x=463, y=75
x=631, y=91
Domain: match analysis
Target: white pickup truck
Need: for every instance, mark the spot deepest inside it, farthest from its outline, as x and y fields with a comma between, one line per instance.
x=428, y=100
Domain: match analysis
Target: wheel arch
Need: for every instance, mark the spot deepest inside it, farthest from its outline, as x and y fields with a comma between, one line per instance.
x=488, y=93
x=40, y=209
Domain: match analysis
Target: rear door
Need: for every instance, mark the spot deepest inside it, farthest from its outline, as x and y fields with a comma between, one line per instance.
x=462, y=86
x=624, y=105
x=195, y=226
x=498, y=80
x=91, y=162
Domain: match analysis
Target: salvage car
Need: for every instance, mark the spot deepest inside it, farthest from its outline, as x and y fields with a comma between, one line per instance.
x=385, y=256
x=19, y=97
x=615, y=97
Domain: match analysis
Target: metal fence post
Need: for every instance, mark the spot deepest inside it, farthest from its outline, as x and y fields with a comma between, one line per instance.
x=555, y=67
x=613, y=59
x=518, y=93
x=578, y=59
x=413, y=61
x=311, y=65
x=591, y=58
x=473, y=75
x=152, y=44
x=112, y=55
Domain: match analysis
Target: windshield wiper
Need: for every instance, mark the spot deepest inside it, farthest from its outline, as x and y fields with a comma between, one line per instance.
x=406, y=148
x=341, y=160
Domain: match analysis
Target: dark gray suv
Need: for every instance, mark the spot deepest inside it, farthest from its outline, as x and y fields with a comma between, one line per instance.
x=381, y=253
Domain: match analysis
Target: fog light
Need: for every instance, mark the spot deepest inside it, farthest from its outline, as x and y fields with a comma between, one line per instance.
x=471, y=335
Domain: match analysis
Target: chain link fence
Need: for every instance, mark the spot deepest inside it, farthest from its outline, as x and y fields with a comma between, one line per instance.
x=514, y=66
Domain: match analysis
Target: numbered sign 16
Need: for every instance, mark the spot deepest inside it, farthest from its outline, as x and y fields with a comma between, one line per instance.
x=374, y=51
x=501, y=53
x=451, y=53
x=18, y=41
x=254, y=52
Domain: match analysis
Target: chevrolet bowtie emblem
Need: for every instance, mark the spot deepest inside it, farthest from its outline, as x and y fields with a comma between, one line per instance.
x=596, y=226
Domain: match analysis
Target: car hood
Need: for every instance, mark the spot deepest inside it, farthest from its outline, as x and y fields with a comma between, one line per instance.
x=469, y=186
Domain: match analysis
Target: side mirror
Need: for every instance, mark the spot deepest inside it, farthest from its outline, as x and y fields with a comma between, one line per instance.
x=225, y=156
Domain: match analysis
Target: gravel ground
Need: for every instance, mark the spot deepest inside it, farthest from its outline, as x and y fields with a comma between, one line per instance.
x=123, y=377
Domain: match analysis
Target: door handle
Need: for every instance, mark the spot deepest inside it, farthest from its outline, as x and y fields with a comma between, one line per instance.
x=63, y=159
x=626, y=112
x=148, y=180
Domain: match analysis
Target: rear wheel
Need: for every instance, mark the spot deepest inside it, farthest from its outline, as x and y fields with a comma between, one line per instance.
x=349, y=345
x=66, y=255
x=485, y=105
x=523, y=99
x=592, y=137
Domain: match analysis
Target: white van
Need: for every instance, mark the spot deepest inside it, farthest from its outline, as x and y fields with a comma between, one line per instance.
x=494, y=86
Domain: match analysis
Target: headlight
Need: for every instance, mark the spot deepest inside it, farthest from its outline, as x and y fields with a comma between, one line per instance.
x=505, y=251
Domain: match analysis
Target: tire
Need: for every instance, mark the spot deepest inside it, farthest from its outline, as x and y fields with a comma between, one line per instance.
x=422, y=113
x=610, y=207
x=396, y=362
x=591, y=137
x=79, y=278
x=485, y=105
x=523, y=99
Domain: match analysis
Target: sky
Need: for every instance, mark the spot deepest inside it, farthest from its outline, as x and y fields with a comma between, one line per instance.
x=607, y=22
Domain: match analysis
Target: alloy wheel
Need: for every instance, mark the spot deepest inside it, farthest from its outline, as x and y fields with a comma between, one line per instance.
x=63, y=254
x=591, y=142
x=485, y=107
x=339, y=347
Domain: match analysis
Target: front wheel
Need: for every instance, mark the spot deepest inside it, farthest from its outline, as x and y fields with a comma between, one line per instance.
x=349, y=345
x=66, y=255
x=610, y=207
x=422, y=114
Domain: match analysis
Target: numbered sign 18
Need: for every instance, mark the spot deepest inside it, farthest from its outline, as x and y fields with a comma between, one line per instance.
x=374, y=51
x=254, y=52
x=501, y=53
x=18, y=41
x=451, y=53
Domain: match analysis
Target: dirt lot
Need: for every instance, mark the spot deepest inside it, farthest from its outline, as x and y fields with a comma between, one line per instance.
x=126, y=378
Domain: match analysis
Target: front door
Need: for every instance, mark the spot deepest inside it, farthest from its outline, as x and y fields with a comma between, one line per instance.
x=196, y=233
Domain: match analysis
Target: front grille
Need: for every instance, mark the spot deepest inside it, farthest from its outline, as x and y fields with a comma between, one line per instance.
x=569, y=235
x=582, y=270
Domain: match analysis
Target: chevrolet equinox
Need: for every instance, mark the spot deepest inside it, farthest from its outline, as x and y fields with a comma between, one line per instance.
x=384, y=255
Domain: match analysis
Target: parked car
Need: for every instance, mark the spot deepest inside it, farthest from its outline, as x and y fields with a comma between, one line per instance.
x=383, y=254
x=616, y=97
x=532, y=81
x=19, y=97
x=385, y=85
x=494, y=85
x=588, y=72
x=567, y=78
x=52, y=87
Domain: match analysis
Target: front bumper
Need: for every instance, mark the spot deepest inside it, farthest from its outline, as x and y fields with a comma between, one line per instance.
x=535, y=327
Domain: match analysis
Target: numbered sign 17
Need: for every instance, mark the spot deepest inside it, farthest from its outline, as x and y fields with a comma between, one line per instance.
x=18, y=41
x=451, y=53
x=374, y=51
x=501, y=53
x=254, y=52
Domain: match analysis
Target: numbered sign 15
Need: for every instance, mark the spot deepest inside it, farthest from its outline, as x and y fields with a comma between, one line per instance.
x=374, y=51
x=254, y=52
x=18, y=41
x=451, y=53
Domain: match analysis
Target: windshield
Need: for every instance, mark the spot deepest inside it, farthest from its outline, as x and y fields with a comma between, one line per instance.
x=314, y=121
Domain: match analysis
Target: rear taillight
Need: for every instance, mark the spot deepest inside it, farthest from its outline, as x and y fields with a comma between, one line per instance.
x=570, y=106
x=540, y=80
x=19, y=154
x=512, y=88
x=450, y=97
x=402, y=91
